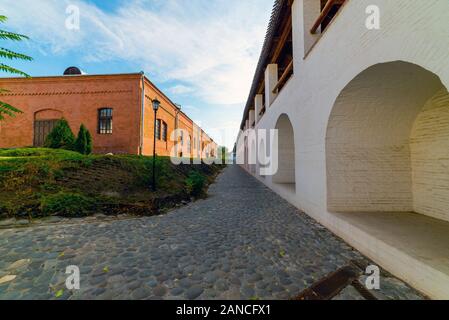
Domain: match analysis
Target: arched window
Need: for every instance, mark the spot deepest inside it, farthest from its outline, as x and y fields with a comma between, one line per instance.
x=105, y=121
x=164, y=131
x=158, y=129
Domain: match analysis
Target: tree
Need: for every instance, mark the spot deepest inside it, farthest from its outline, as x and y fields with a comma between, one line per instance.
x=89, y=146
x=61, y=137
x=83, y=143
x=223, y=154
x=5, y=108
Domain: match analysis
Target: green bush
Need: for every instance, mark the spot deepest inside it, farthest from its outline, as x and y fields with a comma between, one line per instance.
x=38, y=152
x=83, y=143
x=89, y=142
x=67, y=205
x=61, y=137
x=195, y=184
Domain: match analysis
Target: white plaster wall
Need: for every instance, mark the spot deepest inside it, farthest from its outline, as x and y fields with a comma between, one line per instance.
x=414, y=31
x=253, y=155
x=286, y=153
x=430, y=158
x=367, y=143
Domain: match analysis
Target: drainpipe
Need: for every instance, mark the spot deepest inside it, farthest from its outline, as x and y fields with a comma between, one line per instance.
x=142, y=112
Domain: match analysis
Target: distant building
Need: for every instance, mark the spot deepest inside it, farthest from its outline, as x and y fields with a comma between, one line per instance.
x=116, y=108
x=358, y=91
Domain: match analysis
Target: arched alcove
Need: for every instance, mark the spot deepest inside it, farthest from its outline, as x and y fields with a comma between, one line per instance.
x=387, y=143
x=286, y=154
x=44, y=122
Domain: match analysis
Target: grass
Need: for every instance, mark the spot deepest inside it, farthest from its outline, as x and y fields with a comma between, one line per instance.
x=37, y=182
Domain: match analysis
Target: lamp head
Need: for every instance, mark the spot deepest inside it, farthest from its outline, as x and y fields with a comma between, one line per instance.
x=156, y=104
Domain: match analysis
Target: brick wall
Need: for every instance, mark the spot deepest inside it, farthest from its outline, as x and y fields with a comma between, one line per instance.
x=77, y=99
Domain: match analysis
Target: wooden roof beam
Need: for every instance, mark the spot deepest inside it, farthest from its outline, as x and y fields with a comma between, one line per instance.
x=282, y=40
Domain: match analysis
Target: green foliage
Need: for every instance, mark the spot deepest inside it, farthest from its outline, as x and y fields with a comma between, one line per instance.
x=61, y=137
x=223, y=154
x=83, y=143
x=35, y=152
x=67, y=204
x=195, y=183
x=5, y=108
x=39, y=181
x=59, y=293
x=89, y=143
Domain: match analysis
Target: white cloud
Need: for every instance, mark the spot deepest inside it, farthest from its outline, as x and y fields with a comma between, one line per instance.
x=210, y=46
x=181, y=89
x=192, y=108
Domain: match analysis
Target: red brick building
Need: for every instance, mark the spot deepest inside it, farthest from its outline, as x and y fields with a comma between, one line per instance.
x=117, y=110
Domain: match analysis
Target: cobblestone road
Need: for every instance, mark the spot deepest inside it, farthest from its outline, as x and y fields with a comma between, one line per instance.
x=243, y=242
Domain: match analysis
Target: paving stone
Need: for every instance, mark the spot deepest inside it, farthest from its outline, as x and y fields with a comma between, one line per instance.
x=211, y=277
x=248, y=292
x=177, y=291
x=7, y=278
x=186, y=283
x=218, y=248
x=152, y=283
x=7, y=222
x=22, y=222
x=141, y=293
x=160, y=291
x=19, y=264
x=255, y=277
x=194, y=293
x=235, y=281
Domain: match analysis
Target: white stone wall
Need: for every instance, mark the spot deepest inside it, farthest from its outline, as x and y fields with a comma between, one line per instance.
x=367, y=143
x=412, y=31
x=286, y=152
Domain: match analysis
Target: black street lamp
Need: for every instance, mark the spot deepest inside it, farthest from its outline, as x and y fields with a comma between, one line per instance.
x=156, y=104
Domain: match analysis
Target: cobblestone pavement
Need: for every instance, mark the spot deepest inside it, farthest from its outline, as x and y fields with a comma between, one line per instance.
x=243, y=242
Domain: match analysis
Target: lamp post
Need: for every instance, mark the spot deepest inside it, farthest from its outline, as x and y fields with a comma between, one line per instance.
x=156, y=104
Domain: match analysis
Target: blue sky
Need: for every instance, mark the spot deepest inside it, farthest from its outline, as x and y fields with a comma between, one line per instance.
x=202, y=53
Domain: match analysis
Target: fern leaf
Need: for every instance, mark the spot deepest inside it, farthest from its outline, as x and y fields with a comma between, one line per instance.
x=7, y=35
x=8, y=54
x=7, y=109
x=8, y=69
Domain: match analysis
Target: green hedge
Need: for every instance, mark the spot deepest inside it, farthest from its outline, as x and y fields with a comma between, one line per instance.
x=67, y=205
x=61, y=137
x=196, y=183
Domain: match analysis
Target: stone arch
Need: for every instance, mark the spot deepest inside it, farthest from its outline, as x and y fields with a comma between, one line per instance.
x=44, y=122
x=286, y=154
x=48, y=114
x=387, y=146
